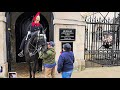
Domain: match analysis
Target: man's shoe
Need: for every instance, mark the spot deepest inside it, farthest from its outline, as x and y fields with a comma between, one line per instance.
x=21, y=54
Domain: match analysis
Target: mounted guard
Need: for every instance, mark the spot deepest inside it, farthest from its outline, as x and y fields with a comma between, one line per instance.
x=35, y=41
x=33, y=27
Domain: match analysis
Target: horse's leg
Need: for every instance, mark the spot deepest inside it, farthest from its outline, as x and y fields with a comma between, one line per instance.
x=39, y=65
x=30, y=69
x=34, y=68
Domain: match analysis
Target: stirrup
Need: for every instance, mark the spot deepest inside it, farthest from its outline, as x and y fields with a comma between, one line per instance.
x=21, y=54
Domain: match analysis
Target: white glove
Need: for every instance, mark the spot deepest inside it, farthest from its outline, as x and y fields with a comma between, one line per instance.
x=29, y=32
x=39, y=49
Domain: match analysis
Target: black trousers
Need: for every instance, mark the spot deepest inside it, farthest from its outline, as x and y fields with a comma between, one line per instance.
x=22, y=43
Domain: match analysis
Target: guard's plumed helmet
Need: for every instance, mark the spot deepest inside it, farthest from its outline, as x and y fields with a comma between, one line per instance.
x=37, y=17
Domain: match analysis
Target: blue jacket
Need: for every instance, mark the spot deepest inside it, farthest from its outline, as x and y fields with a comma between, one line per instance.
x=65, y=62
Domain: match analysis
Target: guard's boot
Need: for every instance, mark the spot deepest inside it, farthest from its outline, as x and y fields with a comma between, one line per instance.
x=21, y=54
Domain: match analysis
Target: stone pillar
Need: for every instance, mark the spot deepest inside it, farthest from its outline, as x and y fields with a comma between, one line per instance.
x=79, y=47
x=3, y=53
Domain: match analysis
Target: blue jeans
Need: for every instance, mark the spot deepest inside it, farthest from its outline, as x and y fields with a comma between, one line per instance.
x=67, y=74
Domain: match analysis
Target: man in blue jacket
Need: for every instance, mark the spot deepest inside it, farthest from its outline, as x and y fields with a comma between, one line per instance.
x=65, y=61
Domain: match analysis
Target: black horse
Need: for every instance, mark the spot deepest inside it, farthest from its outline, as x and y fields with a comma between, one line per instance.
x=35, y=44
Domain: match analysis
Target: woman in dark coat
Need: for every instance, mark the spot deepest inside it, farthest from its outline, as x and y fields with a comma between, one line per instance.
x=65, y=61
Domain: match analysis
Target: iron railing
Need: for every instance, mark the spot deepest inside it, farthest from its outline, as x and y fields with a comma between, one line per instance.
x=96, y=53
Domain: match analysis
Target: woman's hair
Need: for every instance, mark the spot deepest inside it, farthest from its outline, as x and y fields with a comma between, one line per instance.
x=51, y=43
x=67, y=47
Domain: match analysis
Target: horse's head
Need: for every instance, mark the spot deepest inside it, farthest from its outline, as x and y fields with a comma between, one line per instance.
x=38, y=42
x=42, y=41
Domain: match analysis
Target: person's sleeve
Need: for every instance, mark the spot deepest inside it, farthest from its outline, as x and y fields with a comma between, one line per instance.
x=60, y=64
x=48, y=54
x=43, y=55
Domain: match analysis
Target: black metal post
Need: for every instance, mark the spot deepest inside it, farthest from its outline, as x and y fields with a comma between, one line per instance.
x=8, y=43
x=113, y=41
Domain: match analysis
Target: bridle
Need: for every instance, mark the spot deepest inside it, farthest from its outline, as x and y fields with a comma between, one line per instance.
x=37, y=47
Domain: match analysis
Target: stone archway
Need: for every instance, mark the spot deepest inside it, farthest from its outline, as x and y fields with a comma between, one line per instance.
x=17, y=18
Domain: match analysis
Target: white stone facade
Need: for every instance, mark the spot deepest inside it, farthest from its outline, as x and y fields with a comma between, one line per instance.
x=72, y=20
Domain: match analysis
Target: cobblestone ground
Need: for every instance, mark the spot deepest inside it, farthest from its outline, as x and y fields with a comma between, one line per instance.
x=22, y=71
x=97, y=72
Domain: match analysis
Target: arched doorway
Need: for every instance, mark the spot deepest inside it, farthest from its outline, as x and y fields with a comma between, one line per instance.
x=22, y=22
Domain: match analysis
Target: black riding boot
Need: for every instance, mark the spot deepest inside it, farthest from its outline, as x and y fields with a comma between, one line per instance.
x=21, y=54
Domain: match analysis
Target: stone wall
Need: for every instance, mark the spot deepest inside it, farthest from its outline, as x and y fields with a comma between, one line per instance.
x=71, y=20
x=3, y=57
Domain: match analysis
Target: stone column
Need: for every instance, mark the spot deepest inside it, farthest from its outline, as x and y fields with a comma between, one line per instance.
x=3, y=53
x=79, y=47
